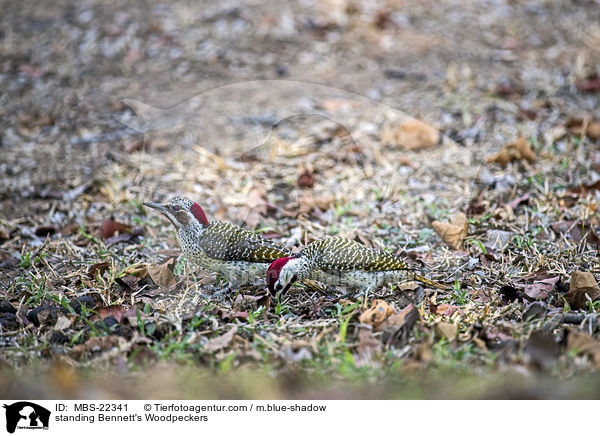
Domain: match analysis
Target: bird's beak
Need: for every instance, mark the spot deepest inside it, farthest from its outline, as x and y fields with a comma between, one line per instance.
x=156, y=206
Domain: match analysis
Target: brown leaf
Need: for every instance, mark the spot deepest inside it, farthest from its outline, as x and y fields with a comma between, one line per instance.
x=376, y=314
x=577, y=231
x=111, y=227
x=220, y=342
x=583, y=288
x=115, y=310
x=583, y=126
x=541, y=288
x=324, y=201
x=444, y=309
x=591, y=84
x=453, y=233
x=582, y=343
x=98, y=269
x=541, y=349
x=517, y=150
x=367, y=344
x=585, y=189
x=410, y=134
x=446, y=330
x=162, y=275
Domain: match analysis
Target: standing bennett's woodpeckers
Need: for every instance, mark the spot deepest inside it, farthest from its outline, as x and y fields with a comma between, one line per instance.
x=339, y=261
x=236, y=254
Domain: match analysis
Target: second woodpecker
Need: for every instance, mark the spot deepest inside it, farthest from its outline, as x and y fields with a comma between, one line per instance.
x=342, y=262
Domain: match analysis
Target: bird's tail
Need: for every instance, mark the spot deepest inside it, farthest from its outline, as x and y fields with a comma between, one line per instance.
x=426, y=281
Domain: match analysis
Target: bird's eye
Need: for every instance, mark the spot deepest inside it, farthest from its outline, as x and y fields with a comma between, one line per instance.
x=278, y=286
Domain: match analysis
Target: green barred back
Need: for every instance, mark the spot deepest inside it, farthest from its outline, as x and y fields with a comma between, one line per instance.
x=228, y=242
x=340, y=254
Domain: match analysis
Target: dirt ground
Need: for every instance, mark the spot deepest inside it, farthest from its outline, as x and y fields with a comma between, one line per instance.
x=298, y=120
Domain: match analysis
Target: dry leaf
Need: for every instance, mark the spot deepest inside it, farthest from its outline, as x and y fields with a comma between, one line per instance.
x=367, y=344
x=115, y=310
x=220, y=342
x=98, y=269
x=582, y=343
x=62, y=323
x=453, y=233
x=111, y=227
x=376, y=314
x=446, y=330
x=517, y=150
x=162, y=275
x=541, y=288
x=324, y=201
x=583, y=288
x=583, y=126
x=410, y=134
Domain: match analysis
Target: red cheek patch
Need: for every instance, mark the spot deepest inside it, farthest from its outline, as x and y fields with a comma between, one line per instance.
x=199, y=214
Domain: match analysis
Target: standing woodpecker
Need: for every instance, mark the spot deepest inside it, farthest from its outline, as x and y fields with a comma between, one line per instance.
x=238, y=255
x=342, y=262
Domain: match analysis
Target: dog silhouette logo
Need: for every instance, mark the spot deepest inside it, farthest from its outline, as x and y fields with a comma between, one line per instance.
x=26, y=415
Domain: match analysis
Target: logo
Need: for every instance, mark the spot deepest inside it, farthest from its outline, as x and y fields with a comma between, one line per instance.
x=26, y=415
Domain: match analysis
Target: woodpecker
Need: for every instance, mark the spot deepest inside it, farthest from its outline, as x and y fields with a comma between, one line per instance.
x=342, y=262
x=235, y=253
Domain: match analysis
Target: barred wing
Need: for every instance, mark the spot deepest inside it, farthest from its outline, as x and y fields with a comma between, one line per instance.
x=340, y=254
x=226, y=241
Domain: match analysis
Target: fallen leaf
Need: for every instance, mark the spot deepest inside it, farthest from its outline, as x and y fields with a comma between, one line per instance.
x=517, y=150
x=577, y=231
x=584, y=189
x=541, y=288
x=583, y=126
x=376, y=314
x=444, y=309
x=220, y=342
x=583, y=288
x=62, y=323
x=324, y=201
x=367, y=344
x=446, y=330
x=110, y=228
x=115, y=310
x=454, y=232
x=582, y=343
x=398, y=327
x=534, y=311
x=162, y=275
x=541, y=349
x=410, y=134
x=98, y=269
x=591, y=84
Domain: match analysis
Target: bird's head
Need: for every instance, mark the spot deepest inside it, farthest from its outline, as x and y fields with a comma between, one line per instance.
x=282, y=273
x=181, y=212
